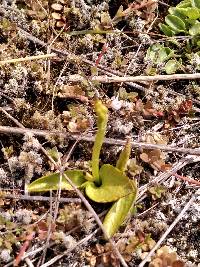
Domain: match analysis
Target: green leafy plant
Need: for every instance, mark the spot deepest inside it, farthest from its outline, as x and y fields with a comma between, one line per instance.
x=107, y=184
x=157, y=191
x=184, y=18
x=158, y=54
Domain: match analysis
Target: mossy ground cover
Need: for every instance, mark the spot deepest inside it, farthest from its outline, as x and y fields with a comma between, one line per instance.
x=65, y=45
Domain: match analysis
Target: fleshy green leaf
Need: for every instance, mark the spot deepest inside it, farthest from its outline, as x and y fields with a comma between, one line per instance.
x=190, y=12
x=172, y=66
x=51, y=182
x=175, y=12
x=195, y=29
x=175, y=23
x=166, y=30
x=114, y=185
x=184, y=3
x=118, y=213
x=158, y=53
x=190, y=22
x=196, y=3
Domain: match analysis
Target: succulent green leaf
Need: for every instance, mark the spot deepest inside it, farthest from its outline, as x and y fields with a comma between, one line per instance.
x=166, y=30
x=196, y=3
x=175, y=12
x=175, y=23
x=195, y=29
x=124, y=157
x=52, y=181
x=175, y=42
x=172, y=66
x=190, y=22
x=184, y=4
x=118, y=213
x=190, y=12
x=158, y=53
x=102, y=119
x=114, y=185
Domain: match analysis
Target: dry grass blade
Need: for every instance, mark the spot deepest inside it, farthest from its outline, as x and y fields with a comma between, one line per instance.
x=164, y=176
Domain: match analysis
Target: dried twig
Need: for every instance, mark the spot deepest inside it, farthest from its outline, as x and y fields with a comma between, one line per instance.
x=62, y=52
x=23, y=59
x=178, y=218
x=87, y=138
x=24, y=247
x=118, y=79
x=21, y=126
x=29, y=262
x=40, y=198
x=187, y=179
x=35, y=251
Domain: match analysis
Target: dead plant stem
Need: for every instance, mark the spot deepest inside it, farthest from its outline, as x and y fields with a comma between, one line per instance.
x=40, y=198
x=119, y=79
x=23, y=59
x=87, y=138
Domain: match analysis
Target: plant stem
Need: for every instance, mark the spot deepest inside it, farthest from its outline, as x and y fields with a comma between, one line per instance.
x=102, y=119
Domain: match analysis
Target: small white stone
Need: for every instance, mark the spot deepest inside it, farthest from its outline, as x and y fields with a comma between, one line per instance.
x=116, y=104
x=5, y=255
x=57, y=7
x=192, y=253
x=69, y=241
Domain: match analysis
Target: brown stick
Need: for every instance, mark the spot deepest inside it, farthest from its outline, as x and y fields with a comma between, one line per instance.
x=118, y=79
x=111, y=141
x=40, y=198
x=187, y=179
x=23, y=59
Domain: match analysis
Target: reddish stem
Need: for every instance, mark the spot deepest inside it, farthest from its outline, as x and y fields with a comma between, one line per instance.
x=23, y=249
x=189, y=180
x=103, y=51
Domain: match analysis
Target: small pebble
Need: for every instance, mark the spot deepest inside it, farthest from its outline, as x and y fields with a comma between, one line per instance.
x=56, y=16
x=57, y=7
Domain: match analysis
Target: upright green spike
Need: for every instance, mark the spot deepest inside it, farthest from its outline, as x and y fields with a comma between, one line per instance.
x=124, y=157
x=102, y=119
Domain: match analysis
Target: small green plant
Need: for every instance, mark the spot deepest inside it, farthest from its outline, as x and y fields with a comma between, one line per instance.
x=107, y=184
x=157, y=191
x=184, y=18
x=163, y=56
